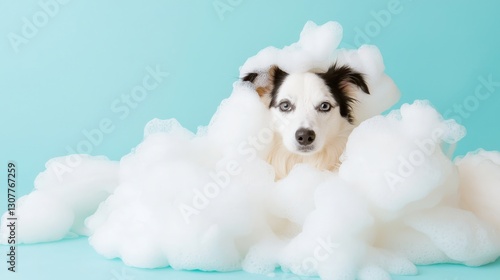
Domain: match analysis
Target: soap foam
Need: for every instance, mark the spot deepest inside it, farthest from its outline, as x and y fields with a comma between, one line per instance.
x=209, y=201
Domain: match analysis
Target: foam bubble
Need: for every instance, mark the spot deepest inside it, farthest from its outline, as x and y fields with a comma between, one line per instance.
x=479, y=188
x=209, y=201
x=403, y=162
x=458, y=234
x=66, y=193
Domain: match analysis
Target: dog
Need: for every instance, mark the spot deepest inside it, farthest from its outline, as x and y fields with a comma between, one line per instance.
x=312, y=114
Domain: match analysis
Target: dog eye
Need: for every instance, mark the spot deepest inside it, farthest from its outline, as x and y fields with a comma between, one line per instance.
x=325, y=107
x=285, y=106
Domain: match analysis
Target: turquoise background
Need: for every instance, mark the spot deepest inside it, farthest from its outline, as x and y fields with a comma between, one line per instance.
x=65, y=79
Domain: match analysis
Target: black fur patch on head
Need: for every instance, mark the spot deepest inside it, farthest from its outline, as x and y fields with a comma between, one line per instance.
x=277, y=76
x=338, y=79
x=250, y=77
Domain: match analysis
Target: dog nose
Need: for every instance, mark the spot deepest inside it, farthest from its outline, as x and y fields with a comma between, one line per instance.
x=305, y=136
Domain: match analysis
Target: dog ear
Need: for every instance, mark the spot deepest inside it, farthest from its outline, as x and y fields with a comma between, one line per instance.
x=250, y=77
x=262, y=86
x=266, y=83
x=276, y=78
x=340, y=80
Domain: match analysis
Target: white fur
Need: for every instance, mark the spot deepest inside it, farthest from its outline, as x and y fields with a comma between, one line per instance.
x=306, y=91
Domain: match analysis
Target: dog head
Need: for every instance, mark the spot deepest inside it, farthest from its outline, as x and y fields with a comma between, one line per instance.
x=309, y=109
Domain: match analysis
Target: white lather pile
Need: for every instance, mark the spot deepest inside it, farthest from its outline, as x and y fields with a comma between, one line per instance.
x=208, y=201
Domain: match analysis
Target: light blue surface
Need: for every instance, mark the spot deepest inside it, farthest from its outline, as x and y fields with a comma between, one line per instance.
x=76, y=260
x=75, y=71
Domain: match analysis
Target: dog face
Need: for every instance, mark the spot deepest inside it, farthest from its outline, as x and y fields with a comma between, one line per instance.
x=310, y=109
x=304, y=113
